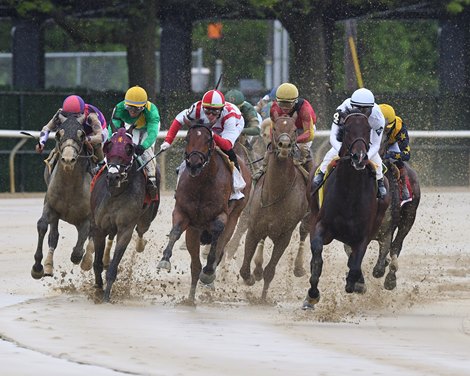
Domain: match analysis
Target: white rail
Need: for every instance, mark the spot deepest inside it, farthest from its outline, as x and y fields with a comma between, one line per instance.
x=162, y=134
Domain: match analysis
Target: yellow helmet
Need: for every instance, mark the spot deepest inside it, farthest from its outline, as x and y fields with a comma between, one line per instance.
x=389, y=114
x=287, y=92
x=136, y=97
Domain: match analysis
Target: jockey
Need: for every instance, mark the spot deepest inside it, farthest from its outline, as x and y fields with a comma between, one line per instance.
x=226, y=122
x=92, y=120
x=250, y=116
x=398, y=146
x=364, y=100
x=288, y=103
x=136, y=110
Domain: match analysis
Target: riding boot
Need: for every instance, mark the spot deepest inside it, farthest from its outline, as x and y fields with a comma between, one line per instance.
x=233, y=157
x=318, y=178
x=152, y=187
x=405, y=193
x=381, y=191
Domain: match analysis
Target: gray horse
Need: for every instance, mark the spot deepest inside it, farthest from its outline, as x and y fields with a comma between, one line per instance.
x=67, y=197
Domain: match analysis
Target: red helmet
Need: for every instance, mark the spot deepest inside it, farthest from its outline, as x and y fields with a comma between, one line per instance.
x=213, y=99
x=73, y=104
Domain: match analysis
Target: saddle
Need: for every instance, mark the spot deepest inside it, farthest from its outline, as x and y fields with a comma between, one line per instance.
x=226, y=159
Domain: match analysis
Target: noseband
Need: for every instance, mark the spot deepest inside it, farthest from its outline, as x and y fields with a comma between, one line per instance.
x=292, y=142
x=205, y=157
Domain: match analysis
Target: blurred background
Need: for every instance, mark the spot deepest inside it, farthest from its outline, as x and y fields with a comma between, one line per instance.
x=413, y=55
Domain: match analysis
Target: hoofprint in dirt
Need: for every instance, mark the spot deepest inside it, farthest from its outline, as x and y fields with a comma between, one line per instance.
x=382, y=331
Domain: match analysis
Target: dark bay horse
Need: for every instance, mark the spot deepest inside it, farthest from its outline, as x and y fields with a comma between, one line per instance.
x=350, y=211
x=397, y=223
x=119, y=204
x=67, y=196
x=202, y=206
x=278, y=204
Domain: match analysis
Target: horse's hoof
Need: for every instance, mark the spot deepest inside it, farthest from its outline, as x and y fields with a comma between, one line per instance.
x=141, y=243
x=165, y=265
x=37, y=274
x=257, y=274
x=299, y=272
x=250, y=281
x=390, y=281
x=378, y=272
x=349, y=288
x=307, y=306
x=210, y=286
x=76, y=257
x=360, y=288
x=48, y=270
x=98, y=295
x=87, y=262
x=206, y=279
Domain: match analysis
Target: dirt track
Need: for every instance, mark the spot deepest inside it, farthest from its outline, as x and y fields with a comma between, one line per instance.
x=53, y=325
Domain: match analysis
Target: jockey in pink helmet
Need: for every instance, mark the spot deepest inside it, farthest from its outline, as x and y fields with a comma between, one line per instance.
x=92, y=119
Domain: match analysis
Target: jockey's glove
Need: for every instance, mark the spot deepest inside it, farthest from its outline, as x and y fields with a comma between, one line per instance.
x=165, y=146
x=139, y=150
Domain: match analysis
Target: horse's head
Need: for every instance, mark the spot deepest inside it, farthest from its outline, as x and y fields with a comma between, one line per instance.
x=199, y=146
x=119, y=151
x=356, y=138
x=70, y=138
x=284, y=135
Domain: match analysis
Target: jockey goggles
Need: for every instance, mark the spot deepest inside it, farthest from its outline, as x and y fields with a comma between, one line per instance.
x=365, y=110
x=134, y=109
x=212, y=111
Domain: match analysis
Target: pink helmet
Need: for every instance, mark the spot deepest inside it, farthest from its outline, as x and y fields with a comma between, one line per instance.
x=73, y=104
x=213, y=99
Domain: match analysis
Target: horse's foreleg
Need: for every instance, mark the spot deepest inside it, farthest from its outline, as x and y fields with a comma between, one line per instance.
x=232, y=246
x=175, y=234
x=107, y=252
x=250, y=247
x=258, y=260
x=299, y=270
x=53, y=239
x=99, y=240
x=193, y=245
x=78, y=251
x=280, y=245
x=87, y=260
x=316, y=266
x=355, y=279
x=122, y=241
x=37, y=271
x=382, y=262
x=208, y=275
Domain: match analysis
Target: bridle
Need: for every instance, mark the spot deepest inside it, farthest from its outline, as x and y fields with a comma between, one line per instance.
x=205, y=157
x=292, y=141
x=359, y=139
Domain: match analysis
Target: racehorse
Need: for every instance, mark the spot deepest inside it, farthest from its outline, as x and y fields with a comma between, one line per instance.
x=67, y=197
x=202, y=206
x=119, y=204
x=278, y=204
x=350, y=211
x=396, y=225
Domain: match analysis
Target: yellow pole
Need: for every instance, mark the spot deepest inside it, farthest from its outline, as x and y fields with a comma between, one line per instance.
x=357, y=69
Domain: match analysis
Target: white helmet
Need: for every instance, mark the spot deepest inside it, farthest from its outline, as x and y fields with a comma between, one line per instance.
x=362, y=98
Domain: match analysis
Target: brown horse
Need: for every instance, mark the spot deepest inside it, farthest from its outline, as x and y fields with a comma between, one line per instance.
x=119, y=204
x=350, y=211
x=202, y=206
x=278, y=204
x=67, y=196
x=396, y=225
